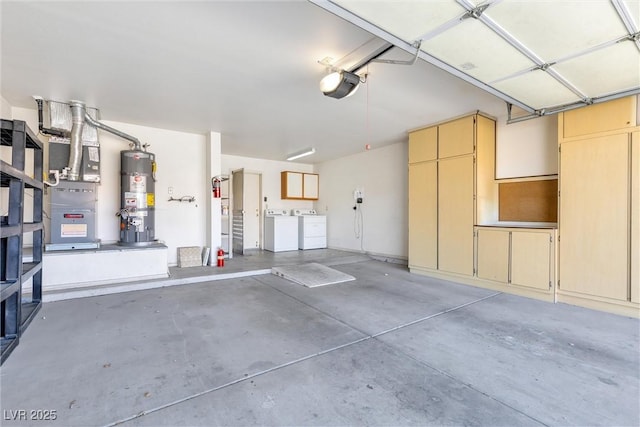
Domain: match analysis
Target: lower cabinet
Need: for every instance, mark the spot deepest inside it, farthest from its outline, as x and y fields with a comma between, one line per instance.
x=493, y=254
x=532, y=259
x=517, y=257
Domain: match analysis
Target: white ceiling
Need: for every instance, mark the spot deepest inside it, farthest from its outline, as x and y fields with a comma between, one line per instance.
x=248, y=69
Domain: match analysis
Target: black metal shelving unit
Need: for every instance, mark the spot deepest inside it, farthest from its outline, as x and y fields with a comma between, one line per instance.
x=23, y=176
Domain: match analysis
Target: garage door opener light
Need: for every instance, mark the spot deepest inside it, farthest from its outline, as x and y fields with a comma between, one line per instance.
x=339, y=84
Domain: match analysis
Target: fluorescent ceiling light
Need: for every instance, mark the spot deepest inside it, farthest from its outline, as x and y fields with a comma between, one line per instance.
x=339, y=84
x=298, y=154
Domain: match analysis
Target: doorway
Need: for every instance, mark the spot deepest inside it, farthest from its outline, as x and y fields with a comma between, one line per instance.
x=247, y=211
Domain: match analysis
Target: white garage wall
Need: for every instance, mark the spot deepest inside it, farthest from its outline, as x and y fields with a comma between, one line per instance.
x=382, y=173
x=5, y=109
x=181, y=160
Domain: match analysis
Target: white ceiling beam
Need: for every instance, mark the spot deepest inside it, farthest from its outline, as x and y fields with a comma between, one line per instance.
x=509, y=38
x=629, y=24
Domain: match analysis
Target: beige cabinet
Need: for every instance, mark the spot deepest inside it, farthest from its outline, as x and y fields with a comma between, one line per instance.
x=532, y=259
x=599, y=207
x=423, y=145
x=608, y=116
x=453, y=204
x=455, y=215
x=455, y=138
x=523, y=257
x=299, y=185
x=493, y=254
x=594, y=216
x=423, y=215
x=443, y=189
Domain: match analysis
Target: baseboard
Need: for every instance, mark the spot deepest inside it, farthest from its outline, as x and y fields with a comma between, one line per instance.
x=487, y=284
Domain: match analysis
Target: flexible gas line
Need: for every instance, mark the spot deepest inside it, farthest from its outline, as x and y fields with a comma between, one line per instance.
x=56, y=176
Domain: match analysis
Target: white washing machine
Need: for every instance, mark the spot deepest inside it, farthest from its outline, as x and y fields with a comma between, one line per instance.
x=312, y=229
x=280, y=231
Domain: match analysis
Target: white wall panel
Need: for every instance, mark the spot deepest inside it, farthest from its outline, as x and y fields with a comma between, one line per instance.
x=382, y=173
x=181, y=159
x=528, y=148
x=5, y=109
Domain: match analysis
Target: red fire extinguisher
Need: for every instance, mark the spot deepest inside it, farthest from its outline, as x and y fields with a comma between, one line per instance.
x=215, y=184
x=220, y=258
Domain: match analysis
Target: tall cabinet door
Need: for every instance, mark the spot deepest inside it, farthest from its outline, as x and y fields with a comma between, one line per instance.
x=455, y=215
x=594, y=206
x=423, y=215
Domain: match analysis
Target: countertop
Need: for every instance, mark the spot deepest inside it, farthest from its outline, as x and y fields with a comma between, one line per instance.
x=506, y=224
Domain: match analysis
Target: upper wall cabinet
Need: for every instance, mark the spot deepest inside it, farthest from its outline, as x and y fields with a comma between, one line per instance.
x=612, y=115
x=290, y=185
x=450, y=139
x=455, y=138
x=299, y=185
x=423, y=145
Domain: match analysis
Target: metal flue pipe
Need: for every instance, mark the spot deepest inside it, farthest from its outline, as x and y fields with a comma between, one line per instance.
x=136, y=141
x=78, y=112
x=80, y=116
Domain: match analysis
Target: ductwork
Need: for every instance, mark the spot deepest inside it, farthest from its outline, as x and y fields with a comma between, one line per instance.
x=80, y=116
x=78, y=113
x=136, y=141
x=44, y=130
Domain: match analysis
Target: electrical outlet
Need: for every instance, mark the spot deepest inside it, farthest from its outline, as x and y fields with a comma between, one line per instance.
x=358, y=195
x=170, y=191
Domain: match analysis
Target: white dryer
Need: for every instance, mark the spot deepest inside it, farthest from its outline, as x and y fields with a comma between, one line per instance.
x=312, y=229
x=280, y=231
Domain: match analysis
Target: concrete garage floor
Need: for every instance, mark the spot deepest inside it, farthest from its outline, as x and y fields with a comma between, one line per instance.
x=391, y=348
